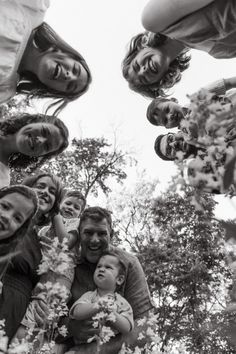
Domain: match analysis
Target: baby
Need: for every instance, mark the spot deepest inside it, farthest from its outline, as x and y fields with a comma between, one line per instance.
x=109, y=275
x=64, y=226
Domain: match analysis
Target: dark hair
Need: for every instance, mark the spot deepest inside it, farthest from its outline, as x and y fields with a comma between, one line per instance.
x=14, y=124
x=169, y=79
x=97, y=214
x=11, y=242
x=152, y=107
x=158, y=150
x=122, y=268
x=74, y=193
x=45, y=38
x=31, y=181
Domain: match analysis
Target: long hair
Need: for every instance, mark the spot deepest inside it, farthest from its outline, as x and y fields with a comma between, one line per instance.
x=45, y=38
x=169, y=79
x=31, y=181
x=10, y=243
x=14, y=124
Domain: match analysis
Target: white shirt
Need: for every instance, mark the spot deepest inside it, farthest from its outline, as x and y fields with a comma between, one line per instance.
x=18, y=18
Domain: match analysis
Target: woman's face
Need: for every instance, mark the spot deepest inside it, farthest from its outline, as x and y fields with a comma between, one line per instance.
x=15, y=209
x=38, y=139
x=46, y=190
x=62, y=73
x=167, y=114
x=148, y=67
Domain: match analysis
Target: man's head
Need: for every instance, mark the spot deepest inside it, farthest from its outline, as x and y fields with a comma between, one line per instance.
x=110, y=272
x=165, y=112
x=96, y=231
x=171, y=146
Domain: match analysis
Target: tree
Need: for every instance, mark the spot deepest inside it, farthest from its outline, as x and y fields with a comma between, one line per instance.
x=89, y=165
x=132, y=213
x=181, y=251
x=187, y=274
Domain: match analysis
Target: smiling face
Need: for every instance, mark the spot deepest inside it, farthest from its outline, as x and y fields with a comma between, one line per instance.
x=106, y=275
x=61, y=72
x=38, y=139
x=148, y=67
x=166, y=113
x=46, y=192
x=94, y=238
x=15, y=209
x=171, y=144
x=71, y=207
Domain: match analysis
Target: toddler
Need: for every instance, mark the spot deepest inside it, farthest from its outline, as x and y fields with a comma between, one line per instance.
x=109, y=275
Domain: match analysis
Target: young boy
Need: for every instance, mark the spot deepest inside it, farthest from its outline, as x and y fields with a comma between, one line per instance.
x=64, y=226
x=108, y=277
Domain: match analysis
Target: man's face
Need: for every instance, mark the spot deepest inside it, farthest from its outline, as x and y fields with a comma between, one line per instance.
x=95, y=239
x=173, y=146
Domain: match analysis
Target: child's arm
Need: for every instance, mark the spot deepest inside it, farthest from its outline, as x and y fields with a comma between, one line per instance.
x=61, y=232
x=121, y=323
x=84, y=311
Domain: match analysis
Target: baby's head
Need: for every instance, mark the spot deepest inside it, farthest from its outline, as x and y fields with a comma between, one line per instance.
x=72, y=204
x=110, y=272
x=165, y=112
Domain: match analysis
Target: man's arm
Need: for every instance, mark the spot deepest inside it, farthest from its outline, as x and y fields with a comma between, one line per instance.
x=221, y=86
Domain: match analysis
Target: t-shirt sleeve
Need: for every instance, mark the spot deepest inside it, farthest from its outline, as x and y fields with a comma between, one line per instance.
x=136, y=289
x=217, y=87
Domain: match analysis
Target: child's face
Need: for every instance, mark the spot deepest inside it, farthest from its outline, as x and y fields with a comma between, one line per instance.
x=168, y=114
x=106, y=275
x=15, y=209
x=71, y=207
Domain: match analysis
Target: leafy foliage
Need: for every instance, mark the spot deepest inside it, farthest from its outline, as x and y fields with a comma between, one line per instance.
x=88, y=165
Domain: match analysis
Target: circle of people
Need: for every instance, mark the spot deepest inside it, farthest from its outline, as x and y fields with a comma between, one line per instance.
x=37, y=63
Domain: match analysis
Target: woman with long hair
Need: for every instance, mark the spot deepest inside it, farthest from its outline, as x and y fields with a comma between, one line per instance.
x=156, y=58
x=21, y=276
x=34, y=60
x=28, y=141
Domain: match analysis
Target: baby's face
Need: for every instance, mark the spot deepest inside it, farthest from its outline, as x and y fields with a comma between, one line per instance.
x=106, y=275
x=167, y=114
x=71, y=207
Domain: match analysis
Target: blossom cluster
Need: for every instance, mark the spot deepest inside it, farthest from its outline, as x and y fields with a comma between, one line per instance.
x=210, y=127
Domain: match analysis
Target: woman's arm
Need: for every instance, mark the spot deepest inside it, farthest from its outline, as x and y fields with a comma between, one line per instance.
x=160, y=14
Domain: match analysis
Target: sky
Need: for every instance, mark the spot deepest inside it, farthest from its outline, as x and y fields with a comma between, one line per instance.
x=100, y=31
